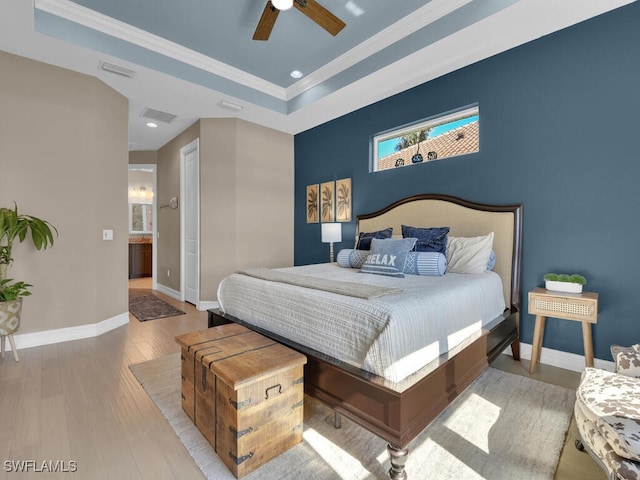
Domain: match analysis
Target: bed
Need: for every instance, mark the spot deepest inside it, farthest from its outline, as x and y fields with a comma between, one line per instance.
x=398, y=405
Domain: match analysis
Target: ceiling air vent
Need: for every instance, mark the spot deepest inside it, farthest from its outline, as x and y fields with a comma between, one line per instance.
x=158, y=115
x=116, y=69
x=230, y=105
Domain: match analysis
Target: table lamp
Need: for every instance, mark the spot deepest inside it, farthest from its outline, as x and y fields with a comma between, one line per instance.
x=331, y=232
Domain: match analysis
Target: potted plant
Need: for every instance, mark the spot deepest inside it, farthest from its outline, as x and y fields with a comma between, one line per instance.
x=10, y=309
x=564, y=283
x=14, y=228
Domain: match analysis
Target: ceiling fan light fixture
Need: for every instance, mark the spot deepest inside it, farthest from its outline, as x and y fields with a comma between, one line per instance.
x=282, y=4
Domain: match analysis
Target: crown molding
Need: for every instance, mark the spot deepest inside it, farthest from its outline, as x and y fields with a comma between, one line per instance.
x=418, y=19
x=115, y=28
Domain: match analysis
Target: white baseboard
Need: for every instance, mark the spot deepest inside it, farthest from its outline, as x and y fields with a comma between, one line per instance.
x=47, y=337
x=202, y=306
x=169, y=291
x=557, y=358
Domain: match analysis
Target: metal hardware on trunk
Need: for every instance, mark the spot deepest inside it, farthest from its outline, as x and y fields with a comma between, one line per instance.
x=297, y=404
x=239, y=460
x=204, y=378
x=240, y=433
x=239, y=405
x=266, y=392
x=298, y=381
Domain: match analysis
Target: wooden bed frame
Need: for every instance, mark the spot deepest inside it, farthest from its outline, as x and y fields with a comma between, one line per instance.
x=399, y=411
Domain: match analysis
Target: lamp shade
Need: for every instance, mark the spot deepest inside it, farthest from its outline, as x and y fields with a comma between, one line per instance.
x=282, y=4
x=331, y=232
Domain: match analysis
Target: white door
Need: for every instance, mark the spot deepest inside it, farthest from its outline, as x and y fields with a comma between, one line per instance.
x=190, y=216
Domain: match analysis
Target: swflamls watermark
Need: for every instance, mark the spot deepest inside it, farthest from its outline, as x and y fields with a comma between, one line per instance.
x=41, y=466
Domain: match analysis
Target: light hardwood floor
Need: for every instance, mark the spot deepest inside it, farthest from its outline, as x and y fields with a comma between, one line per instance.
x=79, y=401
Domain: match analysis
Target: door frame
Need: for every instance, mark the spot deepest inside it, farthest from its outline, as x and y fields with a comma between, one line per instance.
x=154, y=250
x=184, y=151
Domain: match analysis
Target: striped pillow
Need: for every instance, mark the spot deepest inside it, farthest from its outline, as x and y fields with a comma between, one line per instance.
x=432, y=264
x=351, y=258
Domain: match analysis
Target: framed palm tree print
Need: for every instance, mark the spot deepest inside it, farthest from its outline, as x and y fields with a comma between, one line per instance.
x=313, y=204
x=327, y=196
x=343, y=200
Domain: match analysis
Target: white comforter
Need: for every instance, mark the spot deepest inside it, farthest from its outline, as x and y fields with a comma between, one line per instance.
x=392, y=336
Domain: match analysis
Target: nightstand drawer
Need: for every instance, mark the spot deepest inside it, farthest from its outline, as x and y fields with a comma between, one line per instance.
x=581, y=307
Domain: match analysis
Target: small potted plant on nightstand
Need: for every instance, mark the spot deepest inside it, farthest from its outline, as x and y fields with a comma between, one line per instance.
x=564, y=283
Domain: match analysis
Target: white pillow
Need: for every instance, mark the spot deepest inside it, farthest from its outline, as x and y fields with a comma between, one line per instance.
x=469, y=254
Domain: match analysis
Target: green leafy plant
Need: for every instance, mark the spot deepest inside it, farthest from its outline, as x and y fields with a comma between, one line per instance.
x=14, y=228
x=12, y=291
x=563, y=277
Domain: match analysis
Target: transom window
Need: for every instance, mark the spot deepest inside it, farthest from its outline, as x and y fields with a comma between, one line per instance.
x=442, y=136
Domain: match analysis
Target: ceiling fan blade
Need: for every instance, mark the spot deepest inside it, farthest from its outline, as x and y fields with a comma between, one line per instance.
x=266, y=23
x=320, y=15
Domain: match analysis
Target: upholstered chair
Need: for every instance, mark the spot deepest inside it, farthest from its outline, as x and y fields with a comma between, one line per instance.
x=607, y=412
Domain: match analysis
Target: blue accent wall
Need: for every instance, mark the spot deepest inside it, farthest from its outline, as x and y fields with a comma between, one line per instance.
x=559, y=133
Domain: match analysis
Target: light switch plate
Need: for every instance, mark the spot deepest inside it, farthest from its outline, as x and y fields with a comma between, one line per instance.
x=107, y=234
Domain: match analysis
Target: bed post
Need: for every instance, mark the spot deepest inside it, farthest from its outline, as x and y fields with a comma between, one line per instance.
x=398, y=458
x=515, y=349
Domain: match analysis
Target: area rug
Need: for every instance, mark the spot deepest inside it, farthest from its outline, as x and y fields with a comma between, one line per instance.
x=504, y=426
x=150, y=307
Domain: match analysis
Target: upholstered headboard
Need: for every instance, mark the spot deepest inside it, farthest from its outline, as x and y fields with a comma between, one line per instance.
x=466, y=219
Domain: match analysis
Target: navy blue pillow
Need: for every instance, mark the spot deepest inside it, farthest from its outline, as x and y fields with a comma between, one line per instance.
x=364, y=238
x=429, y=239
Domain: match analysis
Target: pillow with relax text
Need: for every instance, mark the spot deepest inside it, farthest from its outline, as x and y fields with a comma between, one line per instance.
x=388, y=256
x=430, y=264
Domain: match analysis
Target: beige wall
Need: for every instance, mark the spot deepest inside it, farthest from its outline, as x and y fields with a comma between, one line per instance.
x=264, y=197
x=246, y=193
x=218, y=154
x=143, y=157
x=63, y=158
x=168, y=221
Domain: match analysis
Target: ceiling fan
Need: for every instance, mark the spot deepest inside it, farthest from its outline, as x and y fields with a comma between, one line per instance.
x=310, y=8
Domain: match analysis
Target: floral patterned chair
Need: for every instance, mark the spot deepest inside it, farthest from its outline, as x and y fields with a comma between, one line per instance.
x=607, y=412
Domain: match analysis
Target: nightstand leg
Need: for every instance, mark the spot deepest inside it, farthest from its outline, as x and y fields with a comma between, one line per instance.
x=536, y=349
x=543, y=322
x=588, y=344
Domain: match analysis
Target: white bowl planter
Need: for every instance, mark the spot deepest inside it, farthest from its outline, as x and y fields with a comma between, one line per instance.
x=568, y=287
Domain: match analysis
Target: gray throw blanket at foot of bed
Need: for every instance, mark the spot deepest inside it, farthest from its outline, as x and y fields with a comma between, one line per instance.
x=351, y=289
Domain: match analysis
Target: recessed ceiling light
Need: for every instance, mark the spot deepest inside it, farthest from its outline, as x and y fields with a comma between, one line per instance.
x=296, y=74
x=353, y=8
x=152, y=125
x=282, y=4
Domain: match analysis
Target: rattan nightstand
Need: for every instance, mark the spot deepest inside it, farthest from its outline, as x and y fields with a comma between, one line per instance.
x=581, y=307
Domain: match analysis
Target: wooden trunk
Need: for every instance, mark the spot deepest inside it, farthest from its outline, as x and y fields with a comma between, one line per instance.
x=246, y=394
